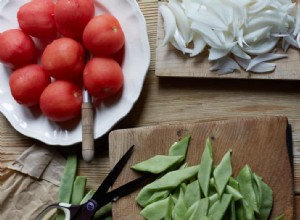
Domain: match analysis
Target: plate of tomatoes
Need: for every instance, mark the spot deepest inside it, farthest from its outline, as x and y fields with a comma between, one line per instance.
x=53, y=50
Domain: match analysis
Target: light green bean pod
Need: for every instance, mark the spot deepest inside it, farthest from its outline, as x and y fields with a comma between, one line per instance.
x=170, y=209
x=235, y=193
x=246, y=187
x=222, y=173
x=205, y=168
x=66, y=183
x=180, y=208
x=256, y=182
x=192, y=193
x=78, y=190
x=218, y=209
x=202, y=210
x=168, y=181
x=232, y=212
x=156, y=210
x=158, y=164
x=267, y=201
x=87, y=196
x=180, y=148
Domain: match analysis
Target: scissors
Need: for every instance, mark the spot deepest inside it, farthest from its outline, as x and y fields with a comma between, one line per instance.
x=101, y=197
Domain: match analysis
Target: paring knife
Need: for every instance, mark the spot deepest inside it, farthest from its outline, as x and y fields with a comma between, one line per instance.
x=87, y=120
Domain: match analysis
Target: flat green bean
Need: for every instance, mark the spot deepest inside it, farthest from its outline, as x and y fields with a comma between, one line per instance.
x=232, y=215
x=248, y=210
x=190, y=211
x=246, y=187
x=234, y=183
x=218, y=209
x=158, y=195
x=192, y=193
x=201, y=211
x=169, y=212
x=213, y=198
x=151, y=212
x=256, y=182
x=78, y=190
x=222, y=173
x=168, y=181
x=180, y=208
x=180, y=148
x=235, y=193
x=266, y=203
x=205, y=168
x=239, y=210
x=104, y=211
x=66, y=183
x=87, y=196
x=158, y=164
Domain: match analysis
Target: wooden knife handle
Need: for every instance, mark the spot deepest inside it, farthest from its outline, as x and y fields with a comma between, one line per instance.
x=87, y=116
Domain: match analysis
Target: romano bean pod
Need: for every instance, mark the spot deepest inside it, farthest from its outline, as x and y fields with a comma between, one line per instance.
x=205, y=191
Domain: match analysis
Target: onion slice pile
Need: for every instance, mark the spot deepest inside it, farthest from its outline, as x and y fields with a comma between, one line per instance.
x=237, y=33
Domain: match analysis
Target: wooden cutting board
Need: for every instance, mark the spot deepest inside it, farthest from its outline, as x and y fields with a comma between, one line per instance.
x=257, y=141
x=173, y=63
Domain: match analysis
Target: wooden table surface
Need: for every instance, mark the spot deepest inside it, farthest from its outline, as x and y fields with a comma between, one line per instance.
x=170, y=100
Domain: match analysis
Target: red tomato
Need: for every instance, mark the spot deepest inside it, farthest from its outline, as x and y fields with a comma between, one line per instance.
x=71, y=16
x=17, y=48
x=61, y=101
x=63, y=59
x=103, y=77
x=36, y=19
x=28, y=83
x=103, y=35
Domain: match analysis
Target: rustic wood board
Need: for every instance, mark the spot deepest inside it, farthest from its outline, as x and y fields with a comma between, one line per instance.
x=173, y=63
x=257, y=141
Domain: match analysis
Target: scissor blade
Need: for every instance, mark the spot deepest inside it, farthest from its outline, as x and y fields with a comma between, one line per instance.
x=112, y=176
x=123, y=190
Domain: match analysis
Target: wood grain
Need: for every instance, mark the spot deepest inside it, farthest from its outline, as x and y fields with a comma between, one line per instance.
x=173, y=63
x=171, y=100
x=252, y=140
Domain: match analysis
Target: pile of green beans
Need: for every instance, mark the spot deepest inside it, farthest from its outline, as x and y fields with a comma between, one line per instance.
x=73, y=190
x=202, y=192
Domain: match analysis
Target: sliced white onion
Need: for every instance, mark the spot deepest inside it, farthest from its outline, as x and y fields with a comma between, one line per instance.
x=244, y=63
x=215, y=54
x=289, y=39
x=241, y=28
x=225, y=65
x=178, y=42
x=208, y=35
x=259, y=5
x=297, y=24
x=199, y=45
x=263, y=68
x=261, y=47
x=237, y=51
x=182, y=21
x=257, y=35
x=169, y=23
x=263, y=58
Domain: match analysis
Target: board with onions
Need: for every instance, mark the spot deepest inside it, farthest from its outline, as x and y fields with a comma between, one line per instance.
x=251, y=36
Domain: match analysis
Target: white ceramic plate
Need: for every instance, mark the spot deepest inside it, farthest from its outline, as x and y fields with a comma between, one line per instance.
x=136, y=62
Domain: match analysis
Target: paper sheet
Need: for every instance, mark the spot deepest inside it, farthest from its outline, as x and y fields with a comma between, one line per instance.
x=30, y=183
